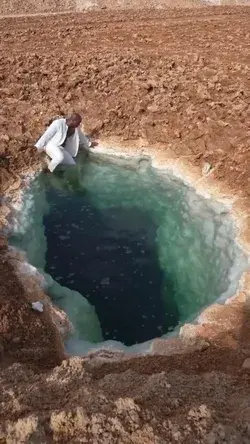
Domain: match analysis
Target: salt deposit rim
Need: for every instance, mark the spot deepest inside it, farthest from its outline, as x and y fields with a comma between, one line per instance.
x=169, y=167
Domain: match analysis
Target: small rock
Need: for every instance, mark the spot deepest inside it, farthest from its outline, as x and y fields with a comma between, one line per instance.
x=222, y=123
x=246, y=363
x=68, y=97
x=139, y=109
x=196, y=58
x=153, y=108
x=16, y=340
x=206, y=168
x=5, y=137
x=38, y=306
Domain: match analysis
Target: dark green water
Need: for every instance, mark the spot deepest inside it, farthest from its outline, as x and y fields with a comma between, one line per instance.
x=110, y=255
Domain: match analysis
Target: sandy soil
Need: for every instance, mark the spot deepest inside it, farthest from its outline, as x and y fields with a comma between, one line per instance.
x=178, y=80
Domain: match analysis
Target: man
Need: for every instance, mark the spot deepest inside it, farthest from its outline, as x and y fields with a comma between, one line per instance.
x=61, y=141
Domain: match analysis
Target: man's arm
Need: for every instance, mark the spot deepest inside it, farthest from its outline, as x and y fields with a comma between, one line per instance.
x=84, y=141
x=87, y=142
x=47, y=136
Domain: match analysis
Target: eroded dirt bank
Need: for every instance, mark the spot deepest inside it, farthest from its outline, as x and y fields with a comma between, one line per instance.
x=175, y=80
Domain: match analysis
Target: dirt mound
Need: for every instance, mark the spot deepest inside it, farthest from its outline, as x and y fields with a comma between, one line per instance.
x=178, y=80
x=71, y=404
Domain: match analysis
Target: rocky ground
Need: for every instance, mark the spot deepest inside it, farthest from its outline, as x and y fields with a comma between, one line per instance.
x=178, y=80
x=21, y=7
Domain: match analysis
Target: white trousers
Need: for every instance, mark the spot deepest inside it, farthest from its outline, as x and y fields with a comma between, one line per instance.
x=58, y=155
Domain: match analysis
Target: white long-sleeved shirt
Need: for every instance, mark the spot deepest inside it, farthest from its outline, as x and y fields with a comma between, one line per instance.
x=56, y=134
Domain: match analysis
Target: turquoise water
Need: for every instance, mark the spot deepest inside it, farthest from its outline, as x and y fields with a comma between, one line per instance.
x=142, y=249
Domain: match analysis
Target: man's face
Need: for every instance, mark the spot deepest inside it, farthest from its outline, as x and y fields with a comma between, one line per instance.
x=74, y=121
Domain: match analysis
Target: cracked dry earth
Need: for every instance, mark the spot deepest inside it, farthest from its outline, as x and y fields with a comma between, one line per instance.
x=175, y=79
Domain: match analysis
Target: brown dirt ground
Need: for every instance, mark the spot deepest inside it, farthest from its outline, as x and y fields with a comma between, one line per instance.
x=176, y=78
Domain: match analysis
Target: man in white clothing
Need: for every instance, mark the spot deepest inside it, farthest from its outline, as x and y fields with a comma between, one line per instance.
x=61, y=141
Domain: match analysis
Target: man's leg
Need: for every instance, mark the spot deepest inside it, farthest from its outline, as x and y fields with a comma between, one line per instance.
x=58, y=155
x=67, y=158
x=71, y=175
